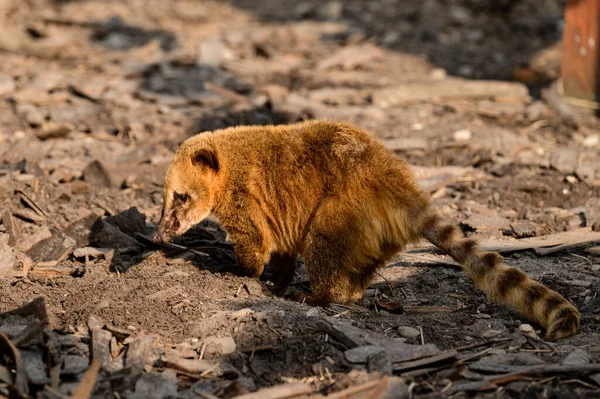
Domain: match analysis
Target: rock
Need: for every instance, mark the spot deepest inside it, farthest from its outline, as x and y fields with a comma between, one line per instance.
x=524, y=228
x=7, y=84
x=35, y=366
x=73, y=113
x=578, y=357
x=129, y=222
x=462, y=135
x=592, y=213
x=313, y=312
x=92, y=252
x=505, y=363
x=380, y=362
x=46, y=81
x=438, y=74
x=242, y=315
x=98, y=175
x=219, y=346
x=459, y=15
x=360, y=354
x=30, y=114
x=211, y=53
x=43, y=233
x=12, y=228
x=591, y=140
x=331, y=10
x=491, y=334
x=54, y=130
x=105, y=235
x=482, y=222
x=73, y=365
x=156, y=385
x=564, y=160
x=408, y=332
x=527, y=329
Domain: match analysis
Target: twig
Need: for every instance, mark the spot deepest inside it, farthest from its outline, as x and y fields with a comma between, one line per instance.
x=86, y=387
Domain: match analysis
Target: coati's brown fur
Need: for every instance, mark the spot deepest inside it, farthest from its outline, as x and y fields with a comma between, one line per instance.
x=332, y=193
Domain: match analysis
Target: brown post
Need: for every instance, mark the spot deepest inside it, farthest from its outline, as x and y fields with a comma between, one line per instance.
x=580, y=64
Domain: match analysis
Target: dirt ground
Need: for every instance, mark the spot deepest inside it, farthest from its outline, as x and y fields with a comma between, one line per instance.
x=95, y=97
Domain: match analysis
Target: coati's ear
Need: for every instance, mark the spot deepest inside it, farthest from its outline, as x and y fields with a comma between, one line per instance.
x=205, y=158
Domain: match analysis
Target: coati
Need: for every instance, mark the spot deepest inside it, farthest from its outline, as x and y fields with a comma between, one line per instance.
x=332, y=193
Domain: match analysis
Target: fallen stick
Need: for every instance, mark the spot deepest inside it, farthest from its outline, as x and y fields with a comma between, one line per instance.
x=148, y=242
x=533, y=371
x=543, y=245
x=86, y=387
x=443, y=356
x=10, y=350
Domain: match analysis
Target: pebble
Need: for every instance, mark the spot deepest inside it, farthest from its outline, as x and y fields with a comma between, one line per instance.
x=242, y=314
x=527, y=329
x=408, y=332
x=462, y=135
x=211, y=53
x=595, y=268
x=7, y=84
x=591, y=140
x=313, y=312
x=220, y=345
x=490, y=334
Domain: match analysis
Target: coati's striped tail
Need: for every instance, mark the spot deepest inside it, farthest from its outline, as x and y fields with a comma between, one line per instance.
x=504, y=283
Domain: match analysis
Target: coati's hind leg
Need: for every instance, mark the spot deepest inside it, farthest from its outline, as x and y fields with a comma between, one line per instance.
x=338, y=270
x=283, y=267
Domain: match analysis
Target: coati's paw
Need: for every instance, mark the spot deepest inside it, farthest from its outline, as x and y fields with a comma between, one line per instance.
x=566, y=323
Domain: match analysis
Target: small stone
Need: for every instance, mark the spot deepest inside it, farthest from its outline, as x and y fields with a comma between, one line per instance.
x=31, y=114
x=408, y=332
x=313, y=312
x=460, y=15
x=74, y=365
x=523, y=228
x=578, y=357
x=595, y=268
x=564, y=160
x=380, y=362
x=490, y=334
x=462, y=135
x=219, y=346
x=527, y=329
x=98, y=175
x=438, y=74
x=211, y=53
x=571, y=179
x=242, y=314
x=7, y=84
x=591, y=140
x=54, y=130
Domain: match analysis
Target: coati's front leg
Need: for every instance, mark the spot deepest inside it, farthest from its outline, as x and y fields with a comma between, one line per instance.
x=250, y=253
x=283, y=267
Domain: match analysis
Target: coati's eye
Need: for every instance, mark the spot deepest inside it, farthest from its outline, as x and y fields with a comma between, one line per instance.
x=181, y=198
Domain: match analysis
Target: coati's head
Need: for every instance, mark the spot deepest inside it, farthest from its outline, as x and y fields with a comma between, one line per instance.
x=189, y=190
